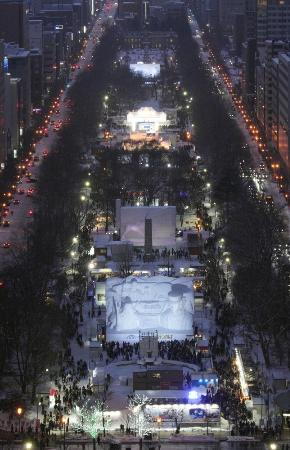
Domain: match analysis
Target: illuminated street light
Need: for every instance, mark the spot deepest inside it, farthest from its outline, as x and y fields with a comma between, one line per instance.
x=28, y=445
x=273, y=446
x=75, y=240
x=87, y=184
x=83, y=198
x=72, y=254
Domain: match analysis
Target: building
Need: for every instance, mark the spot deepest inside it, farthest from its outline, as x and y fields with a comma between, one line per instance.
x=281, y=106
x=132, y=224
x=19, y=67
x=264, y=91
x=150, y=40
x=14, y=22
x=49, y=58
x=228, y=9
x=248, y=71
x=273, y=20
x=13, y=113
x=36, y=34
x=36, y=61
x=207, y=12
x=250, y=12
x=2, y=108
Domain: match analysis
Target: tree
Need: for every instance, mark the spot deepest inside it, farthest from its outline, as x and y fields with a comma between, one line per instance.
x=92, y=418
x=139, y=419
x=29, y=320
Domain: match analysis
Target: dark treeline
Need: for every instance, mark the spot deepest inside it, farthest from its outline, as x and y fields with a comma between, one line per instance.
x=252, y=229
x=32, y=323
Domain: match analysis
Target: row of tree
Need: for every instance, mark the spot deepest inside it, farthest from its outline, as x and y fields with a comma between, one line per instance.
x=33, y=325
x=252, y=229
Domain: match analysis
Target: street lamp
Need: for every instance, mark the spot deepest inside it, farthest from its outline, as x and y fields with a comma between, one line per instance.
x=19, y=412
x=159, y=422
x=63, y=421
x=28, y=445
x=273, y=446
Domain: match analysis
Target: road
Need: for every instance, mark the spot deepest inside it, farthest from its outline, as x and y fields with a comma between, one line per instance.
x=266, y=183
x=20, y=215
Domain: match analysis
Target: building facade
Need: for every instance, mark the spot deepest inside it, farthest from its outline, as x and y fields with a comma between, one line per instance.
x=14, y=22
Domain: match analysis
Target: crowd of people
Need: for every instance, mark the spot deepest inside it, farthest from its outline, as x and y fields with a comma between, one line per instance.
x=185, y=350
x=157, y=254
x=115, y=350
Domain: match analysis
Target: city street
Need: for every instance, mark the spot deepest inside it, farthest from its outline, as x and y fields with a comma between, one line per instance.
x=145, y=264
x=21, y=214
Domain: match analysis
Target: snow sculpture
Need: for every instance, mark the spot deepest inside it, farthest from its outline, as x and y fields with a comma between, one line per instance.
x=148, y=304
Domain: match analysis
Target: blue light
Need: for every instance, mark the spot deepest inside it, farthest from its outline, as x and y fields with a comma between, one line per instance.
x=200, y=380
x=206, y=380
x=216, y=380
x=193, y=395
x=5, y=64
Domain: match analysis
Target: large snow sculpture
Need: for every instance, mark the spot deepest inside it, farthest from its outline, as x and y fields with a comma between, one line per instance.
x=148, y=304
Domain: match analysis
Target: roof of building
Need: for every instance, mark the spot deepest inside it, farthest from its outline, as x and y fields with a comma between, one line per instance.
x=12, y=50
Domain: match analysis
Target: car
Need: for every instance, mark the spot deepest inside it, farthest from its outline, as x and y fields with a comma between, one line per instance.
x=29, y=193
x=16, y=202
x=36, y=158
x=45, y=154
x=6, y=223
x=29, y=213
x=6, y=244
x=20, y=191
x=269, y=199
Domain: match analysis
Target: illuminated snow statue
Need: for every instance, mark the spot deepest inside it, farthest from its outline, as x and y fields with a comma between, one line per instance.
x=143, y=304
x=146, y=119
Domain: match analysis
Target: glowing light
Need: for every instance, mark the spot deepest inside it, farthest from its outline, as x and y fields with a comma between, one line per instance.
x=92, y=418
x=193, y=395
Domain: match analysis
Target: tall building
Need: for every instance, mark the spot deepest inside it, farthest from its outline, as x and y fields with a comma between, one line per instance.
x=273, y=20
x=264, y=84
x=281, y=106
x=14, y=22
x=13, y=113
x=2, y=108
x=250, y=19
x=49, y=58
x=19, y=67
x=228, y=9
x=36, y=62
x=248, y=71
x=36, y=34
